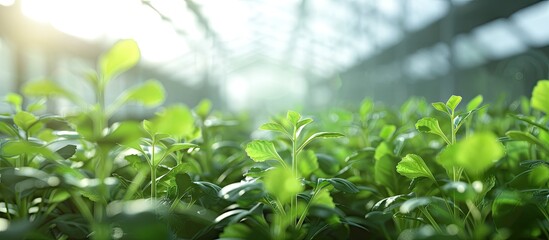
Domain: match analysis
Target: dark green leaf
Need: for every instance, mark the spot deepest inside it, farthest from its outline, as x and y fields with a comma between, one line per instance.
x=340, y=184
x=67, y=152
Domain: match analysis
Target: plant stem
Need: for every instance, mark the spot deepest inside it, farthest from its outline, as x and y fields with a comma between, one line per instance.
x=293, y=203
x=153, y=170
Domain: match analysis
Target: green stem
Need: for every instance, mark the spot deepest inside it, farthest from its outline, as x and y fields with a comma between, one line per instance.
x=431, y=219
x=293, y=203
x=304, y=214
x=453, y=128
x=153, y=170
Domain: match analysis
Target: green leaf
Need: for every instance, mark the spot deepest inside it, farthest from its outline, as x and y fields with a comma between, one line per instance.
x=301, y=124
x=366, y=107
x=385, y=172
x=176, y=120
x=319, y=135
x=149, y=94
x=15, y=100
x=293, y=117
x=283, y=184
x=238, y=231
x=440, y=106
x=412, y=166
x=505, y=206
x=539, y=176
x=540, y=96
x=340, y=184
x=245, y=193
x=430, y=125
x=381, y=150
x=323, y=198
x=261, y=150
x=474, y=103
x=475, y=154
x=203, y=108
x=8, y=129
x=524, y=136
x=307, y=163
x=136, y=161
x=387, y=132
x=274, y=126
x=48, y=88
x=453, y=102
x=120, y=58
x=25, y=120
x=413, y=203
x=460, y=191
x=18, y=148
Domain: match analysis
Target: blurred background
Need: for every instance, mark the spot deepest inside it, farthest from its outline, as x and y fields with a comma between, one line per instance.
x=269, y=56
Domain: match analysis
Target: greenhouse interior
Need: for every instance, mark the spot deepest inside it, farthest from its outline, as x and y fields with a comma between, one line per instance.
x=288, y=119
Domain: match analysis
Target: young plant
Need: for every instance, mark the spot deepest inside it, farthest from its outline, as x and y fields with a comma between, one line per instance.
x=283, y=180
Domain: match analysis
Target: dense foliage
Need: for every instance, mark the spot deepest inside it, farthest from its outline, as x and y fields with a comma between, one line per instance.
x=425, y=171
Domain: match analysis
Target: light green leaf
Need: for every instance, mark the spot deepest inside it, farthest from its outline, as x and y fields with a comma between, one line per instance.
x=301, y=124
x=15, y=100
x=7, y=129
x=540, y=96
x=366, y=107
x=176, y=121
x=283, y=184
x=412, y=166
x=48, y=88
x=25, y=120
x=525, y=136
x=150, y=94
x=293, y=117
x=274, y=126
x=453, y=102
x=203, y=108
x=382, y=149
x=307, y=163
x=261, y=150
x=323, y=198
x=120, y=58
x=387, y=132
x=430, y=125
x=18, y=148
x=319, y=135
x=539, y=176
x=440, y=106
x=474, y=103
x=475, y=154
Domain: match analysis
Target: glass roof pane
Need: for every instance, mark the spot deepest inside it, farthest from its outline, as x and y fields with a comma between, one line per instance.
x=531, y=21
x=498, y=40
